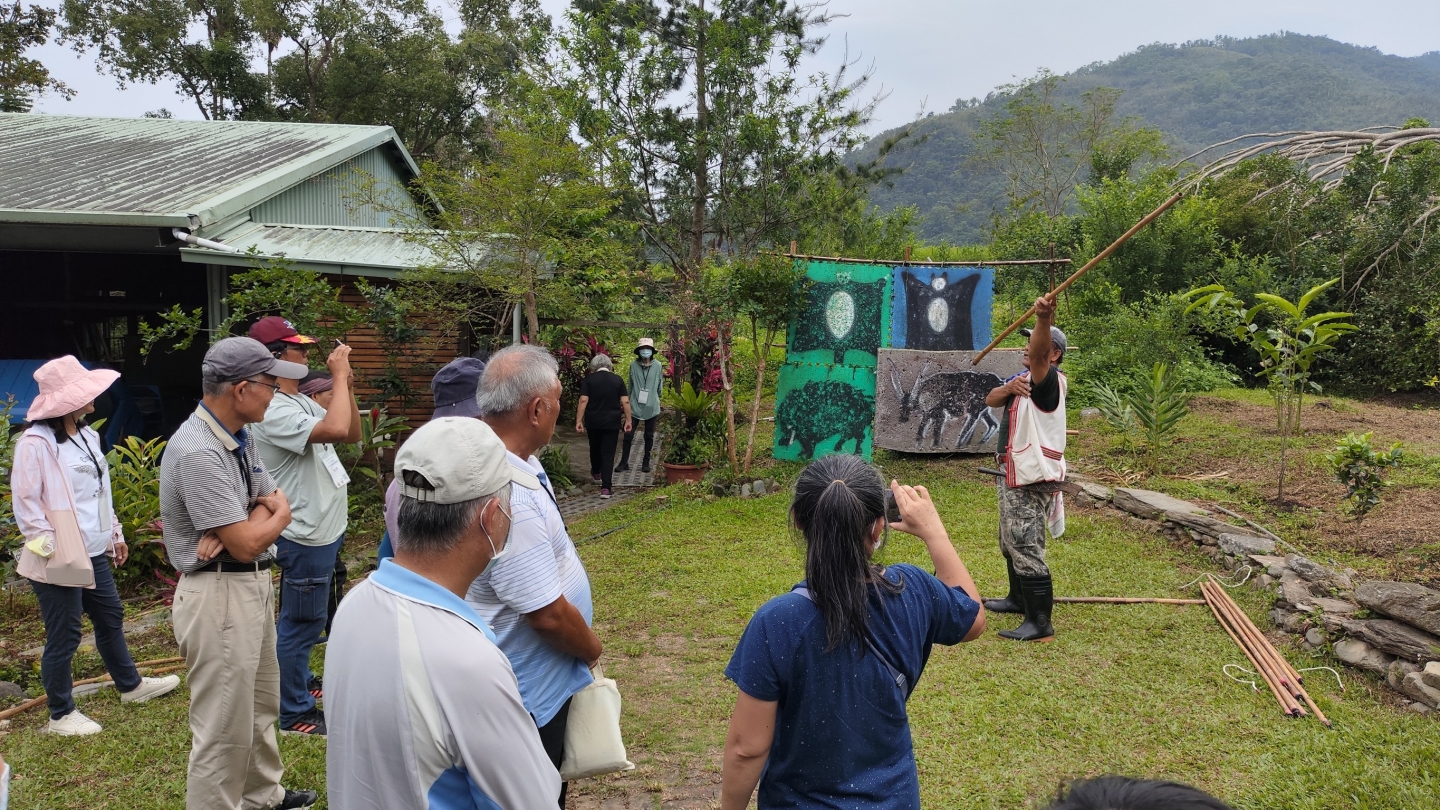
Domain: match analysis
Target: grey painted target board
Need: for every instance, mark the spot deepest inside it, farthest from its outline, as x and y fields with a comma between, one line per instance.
x=934, y=402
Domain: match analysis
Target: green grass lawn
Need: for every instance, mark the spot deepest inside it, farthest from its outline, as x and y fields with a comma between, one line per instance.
x=1134, y=689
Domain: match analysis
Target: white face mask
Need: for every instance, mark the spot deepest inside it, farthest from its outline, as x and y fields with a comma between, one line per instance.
x=645, y=354
x=496, y=555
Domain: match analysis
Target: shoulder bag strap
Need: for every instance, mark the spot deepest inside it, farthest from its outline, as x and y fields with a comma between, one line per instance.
x=901, y=682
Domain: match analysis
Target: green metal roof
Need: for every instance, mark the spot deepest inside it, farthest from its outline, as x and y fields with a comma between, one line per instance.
x=161, y=172
x=326, y=249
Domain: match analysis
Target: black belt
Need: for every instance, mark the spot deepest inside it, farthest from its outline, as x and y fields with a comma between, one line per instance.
x=226, y=567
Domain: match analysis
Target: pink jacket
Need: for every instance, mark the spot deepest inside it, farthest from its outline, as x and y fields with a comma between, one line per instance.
x=38, y=482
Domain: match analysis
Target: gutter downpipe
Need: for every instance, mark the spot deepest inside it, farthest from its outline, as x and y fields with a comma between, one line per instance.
x=191, y=239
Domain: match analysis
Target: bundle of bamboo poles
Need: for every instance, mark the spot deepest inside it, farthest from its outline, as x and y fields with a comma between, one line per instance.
x=1282, y=679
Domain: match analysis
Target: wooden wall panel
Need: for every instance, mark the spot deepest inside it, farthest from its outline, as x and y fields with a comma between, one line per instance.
x=419, y=362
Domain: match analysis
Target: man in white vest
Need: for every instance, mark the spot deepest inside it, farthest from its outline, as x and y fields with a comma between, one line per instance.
x=1032, y=456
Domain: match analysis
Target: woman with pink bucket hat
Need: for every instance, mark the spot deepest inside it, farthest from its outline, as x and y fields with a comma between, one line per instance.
x=60, y=484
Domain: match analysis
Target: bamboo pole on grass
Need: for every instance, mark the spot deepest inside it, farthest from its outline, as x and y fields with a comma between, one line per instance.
x=1287, y=703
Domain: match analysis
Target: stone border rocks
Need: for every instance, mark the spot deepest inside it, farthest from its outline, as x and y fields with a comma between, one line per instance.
x=1391, y=629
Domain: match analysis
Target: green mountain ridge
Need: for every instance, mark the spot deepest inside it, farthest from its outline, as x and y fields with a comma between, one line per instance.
x=1198, y=93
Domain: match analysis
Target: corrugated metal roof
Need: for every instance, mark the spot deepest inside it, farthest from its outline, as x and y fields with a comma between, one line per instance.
x=162, y=172
x=351, y=251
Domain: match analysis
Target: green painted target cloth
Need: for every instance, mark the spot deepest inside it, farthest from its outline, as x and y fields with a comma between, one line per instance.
x=846, y=315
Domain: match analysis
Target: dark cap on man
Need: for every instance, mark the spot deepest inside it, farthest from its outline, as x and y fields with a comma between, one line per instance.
x=1057, y=338
x=236, y=358
x=455, y=387
x=275, y=329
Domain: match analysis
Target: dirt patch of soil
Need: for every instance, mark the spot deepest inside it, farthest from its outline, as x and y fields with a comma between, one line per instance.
x=1399, y=538
x=1418, y=428
x=662, y=783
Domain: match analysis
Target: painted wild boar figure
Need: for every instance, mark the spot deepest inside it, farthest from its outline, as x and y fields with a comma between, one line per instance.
x=819, y=410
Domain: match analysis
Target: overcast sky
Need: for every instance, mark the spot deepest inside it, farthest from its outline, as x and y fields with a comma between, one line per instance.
x=931, y=52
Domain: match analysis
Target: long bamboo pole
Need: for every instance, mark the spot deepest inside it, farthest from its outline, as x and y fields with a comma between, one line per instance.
x=1273, y=687
x=1065, y=285
x=1127, y=600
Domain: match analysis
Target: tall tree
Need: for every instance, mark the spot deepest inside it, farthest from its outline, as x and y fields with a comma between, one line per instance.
x=23, y=79
x=148, y=41
x=707, y=120
x=1045, y=146
x=324, y=61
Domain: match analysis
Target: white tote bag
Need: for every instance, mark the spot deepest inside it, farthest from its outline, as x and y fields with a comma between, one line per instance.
x=593, y=745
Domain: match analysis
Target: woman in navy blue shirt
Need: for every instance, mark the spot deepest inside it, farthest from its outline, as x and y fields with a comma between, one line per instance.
x=824, y=671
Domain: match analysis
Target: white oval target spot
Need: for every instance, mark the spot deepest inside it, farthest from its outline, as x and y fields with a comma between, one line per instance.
x=840, y=314
x=938, y=314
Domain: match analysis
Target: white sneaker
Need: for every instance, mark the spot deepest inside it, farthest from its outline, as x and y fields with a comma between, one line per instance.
x=73, y=724
x=151, y=688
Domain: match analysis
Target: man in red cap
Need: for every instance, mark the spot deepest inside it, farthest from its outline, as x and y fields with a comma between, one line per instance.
x=295, y=441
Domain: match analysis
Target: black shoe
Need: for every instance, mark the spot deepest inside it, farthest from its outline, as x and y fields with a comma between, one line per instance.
x=1012, y=603
x=624, y=466
x=316, y=687
x=297, y=798
x=1039, y=594
x=645, y=465
x=312, y=723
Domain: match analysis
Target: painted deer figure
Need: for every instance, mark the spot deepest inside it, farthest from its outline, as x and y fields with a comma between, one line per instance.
x=947, y=395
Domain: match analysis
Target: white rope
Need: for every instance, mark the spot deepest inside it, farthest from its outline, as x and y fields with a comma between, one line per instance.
x=1246, y=569
x=1226, y=669
x=1329, y=670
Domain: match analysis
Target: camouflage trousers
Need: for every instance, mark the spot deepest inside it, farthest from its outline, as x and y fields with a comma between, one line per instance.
x=1023, y=528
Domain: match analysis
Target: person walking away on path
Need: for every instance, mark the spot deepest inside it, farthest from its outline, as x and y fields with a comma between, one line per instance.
x=295, y=442
x=60, y=481
x=222, y=514
x=424, y=708
x=454, y=387
x=646, y=381
x=825, y=670
x=536, y=599
x=1032, y=458
x=320, y=386
x=603, y=413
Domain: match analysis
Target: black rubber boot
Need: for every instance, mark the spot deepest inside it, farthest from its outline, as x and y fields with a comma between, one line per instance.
x=1013, y=603
x=1039, y=596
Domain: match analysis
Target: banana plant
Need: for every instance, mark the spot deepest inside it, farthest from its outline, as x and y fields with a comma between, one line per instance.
x=1288, y=340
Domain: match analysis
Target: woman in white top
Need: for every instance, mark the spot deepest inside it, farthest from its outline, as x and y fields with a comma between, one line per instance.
x=60, y=482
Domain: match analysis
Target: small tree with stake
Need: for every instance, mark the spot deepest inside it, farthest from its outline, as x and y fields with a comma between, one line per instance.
x=1288, y=346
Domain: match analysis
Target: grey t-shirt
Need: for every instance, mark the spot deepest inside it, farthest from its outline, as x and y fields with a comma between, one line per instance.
x=303, y=470
x=209, y=478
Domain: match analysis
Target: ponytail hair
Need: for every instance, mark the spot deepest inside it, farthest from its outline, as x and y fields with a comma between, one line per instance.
x=837, y=501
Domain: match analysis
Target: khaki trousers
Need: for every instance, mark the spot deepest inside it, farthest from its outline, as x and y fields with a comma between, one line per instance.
x=225, y=624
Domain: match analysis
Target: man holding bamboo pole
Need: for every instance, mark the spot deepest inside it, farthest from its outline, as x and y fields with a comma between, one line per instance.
x=1032, y=460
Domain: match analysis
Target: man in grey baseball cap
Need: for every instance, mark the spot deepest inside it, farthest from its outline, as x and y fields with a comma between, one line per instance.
x=222, y=513
x=409, y=623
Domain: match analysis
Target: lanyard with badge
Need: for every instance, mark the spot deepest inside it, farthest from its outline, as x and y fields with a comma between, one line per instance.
x=643, y=395
x=104, y=502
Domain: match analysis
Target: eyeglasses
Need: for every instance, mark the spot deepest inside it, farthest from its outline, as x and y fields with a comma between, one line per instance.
x=272, y=386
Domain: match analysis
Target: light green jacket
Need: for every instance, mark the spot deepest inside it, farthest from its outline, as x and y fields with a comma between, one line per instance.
x=648, y=379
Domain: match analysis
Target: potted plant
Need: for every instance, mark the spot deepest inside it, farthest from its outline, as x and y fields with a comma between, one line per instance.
x=694, y=433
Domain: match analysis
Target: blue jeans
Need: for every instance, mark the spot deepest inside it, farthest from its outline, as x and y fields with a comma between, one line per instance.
x=61, y=609
x=304, y=592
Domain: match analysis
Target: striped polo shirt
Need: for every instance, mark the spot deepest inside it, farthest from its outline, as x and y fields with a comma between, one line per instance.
x=539, y=565
x=209, y=477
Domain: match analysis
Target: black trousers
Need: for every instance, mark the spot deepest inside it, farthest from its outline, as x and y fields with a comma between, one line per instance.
x=649, y=439
x=602, y=453
x=552, y=737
